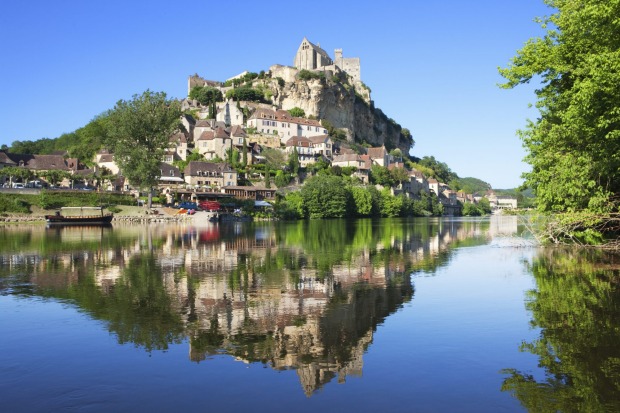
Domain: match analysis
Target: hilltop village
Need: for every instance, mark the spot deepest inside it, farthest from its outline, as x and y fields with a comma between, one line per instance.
x=316, y=115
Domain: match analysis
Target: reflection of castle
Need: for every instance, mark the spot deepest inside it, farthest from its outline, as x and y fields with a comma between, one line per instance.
x=260, y=294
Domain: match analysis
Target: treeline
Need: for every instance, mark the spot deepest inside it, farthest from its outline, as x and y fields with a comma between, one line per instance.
x=332, y=196
x=23, y=203
x=82, y=144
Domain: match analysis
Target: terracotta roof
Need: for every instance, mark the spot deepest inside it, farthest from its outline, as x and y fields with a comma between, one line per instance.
x=237, y=131
x=204, y=123
x=299, y=141
x=178, y=137
x=319, y=138
x=194, y=166
x=167, y=168
x=349, y=157
x=377, y=152
x=220, y=133
x=4, y=159
x=106, y=158
x=206, y=135
x=282, y=116
x=43, y=162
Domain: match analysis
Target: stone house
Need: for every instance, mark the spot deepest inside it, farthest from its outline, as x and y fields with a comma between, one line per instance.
x=188, y=123
x=433, y=185
x=170, y=176
x=229, y=113
x=282, y=124
x=361, y=162
x=213, y=144
x=323, y=145
x=178, y=149
x=379, y=156
x=209, y=174
x=104, y=159
x=305, y=149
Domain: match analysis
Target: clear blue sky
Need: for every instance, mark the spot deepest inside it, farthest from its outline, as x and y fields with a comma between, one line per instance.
x=431, y=65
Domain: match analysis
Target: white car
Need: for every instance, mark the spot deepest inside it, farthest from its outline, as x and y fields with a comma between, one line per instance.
x=17, y=185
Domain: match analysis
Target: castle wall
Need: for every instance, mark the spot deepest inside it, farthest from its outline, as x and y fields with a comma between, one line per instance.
x=351, y=65
x=285, y=72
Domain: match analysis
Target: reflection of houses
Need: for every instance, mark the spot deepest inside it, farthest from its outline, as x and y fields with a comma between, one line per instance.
x=258, y=293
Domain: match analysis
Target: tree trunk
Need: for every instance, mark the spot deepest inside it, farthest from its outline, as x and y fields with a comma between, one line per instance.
x=150, y=198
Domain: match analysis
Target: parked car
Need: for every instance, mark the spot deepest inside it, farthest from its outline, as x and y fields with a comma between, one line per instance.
x=210, y=206
x=18, y=185
x=188, y=205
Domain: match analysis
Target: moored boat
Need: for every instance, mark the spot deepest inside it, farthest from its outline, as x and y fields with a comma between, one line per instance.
x=80, y=216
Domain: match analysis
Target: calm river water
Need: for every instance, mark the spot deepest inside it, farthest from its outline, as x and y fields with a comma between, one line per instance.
x=418, y=315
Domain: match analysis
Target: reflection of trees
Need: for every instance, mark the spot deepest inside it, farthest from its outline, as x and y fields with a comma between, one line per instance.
x=577, y=307
x=302, y=295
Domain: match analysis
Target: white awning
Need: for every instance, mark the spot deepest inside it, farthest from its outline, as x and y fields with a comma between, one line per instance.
x=171, y=179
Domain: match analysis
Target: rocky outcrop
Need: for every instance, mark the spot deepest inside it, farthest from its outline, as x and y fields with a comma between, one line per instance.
x=340, y=100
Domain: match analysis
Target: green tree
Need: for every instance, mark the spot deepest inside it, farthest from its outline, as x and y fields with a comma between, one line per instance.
x=267, y=179
x=399, y=175
x=275, y=158
x=244, y=153
x=138, y=135
x=381, y=175
x=575, y=309
x=392, y=206
x=485, y=205
x=16, y=173
x=281, y=179
x=55, y=176
x=293, y=162
x=441, y=170
x=362, y=200
x=206, y=95
x=325, y=196
x=574, y=145
x=297, y=112
x=192, y=156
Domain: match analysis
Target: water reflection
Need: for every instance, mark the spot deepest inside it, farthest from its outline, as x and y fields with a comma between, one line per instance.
x=576, y=305
x=306, y=295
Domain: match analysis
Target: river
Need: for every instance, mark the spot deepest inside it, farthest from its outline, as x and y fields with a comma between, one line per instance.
x=395, y=315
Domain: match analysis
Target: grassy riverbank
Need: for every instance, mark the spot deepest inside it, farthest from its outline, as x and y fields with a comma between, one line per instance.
x=20, y=208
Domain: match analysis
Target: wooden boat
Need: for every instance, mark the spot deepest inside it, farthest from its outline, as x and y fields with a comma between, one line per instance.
x=80, y=216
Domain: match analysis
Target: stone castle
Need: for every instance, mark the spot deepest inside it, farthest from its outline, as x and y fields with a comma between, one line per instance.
x=311, y=57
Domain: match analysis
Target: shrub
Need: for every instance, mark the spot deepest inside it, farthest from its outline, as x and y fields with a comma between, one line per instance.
x=308, y=75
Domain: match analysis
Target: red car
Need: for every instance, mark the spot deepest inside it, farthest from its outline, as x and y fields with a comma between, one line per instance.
x=210, y=206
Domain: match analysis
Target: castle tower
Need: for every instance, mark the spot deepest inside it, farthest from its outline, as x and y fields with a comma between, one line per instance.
x=310, y=56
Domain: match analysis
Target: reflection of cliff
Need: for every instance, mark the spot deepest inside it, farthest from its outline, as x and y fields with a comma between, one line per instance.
x=303, y=295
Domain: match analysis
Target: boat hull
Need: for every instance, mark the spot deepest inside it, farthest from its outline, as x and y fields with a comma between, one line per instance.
x=75, y=220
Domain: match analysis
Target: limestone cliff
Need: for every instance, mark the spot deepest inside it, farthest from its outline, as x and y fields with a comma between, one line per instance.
x=342, y=101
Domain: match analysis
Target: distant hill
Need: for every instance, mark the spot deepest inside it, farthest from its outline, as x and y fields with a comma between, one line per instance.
x=471, y=185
